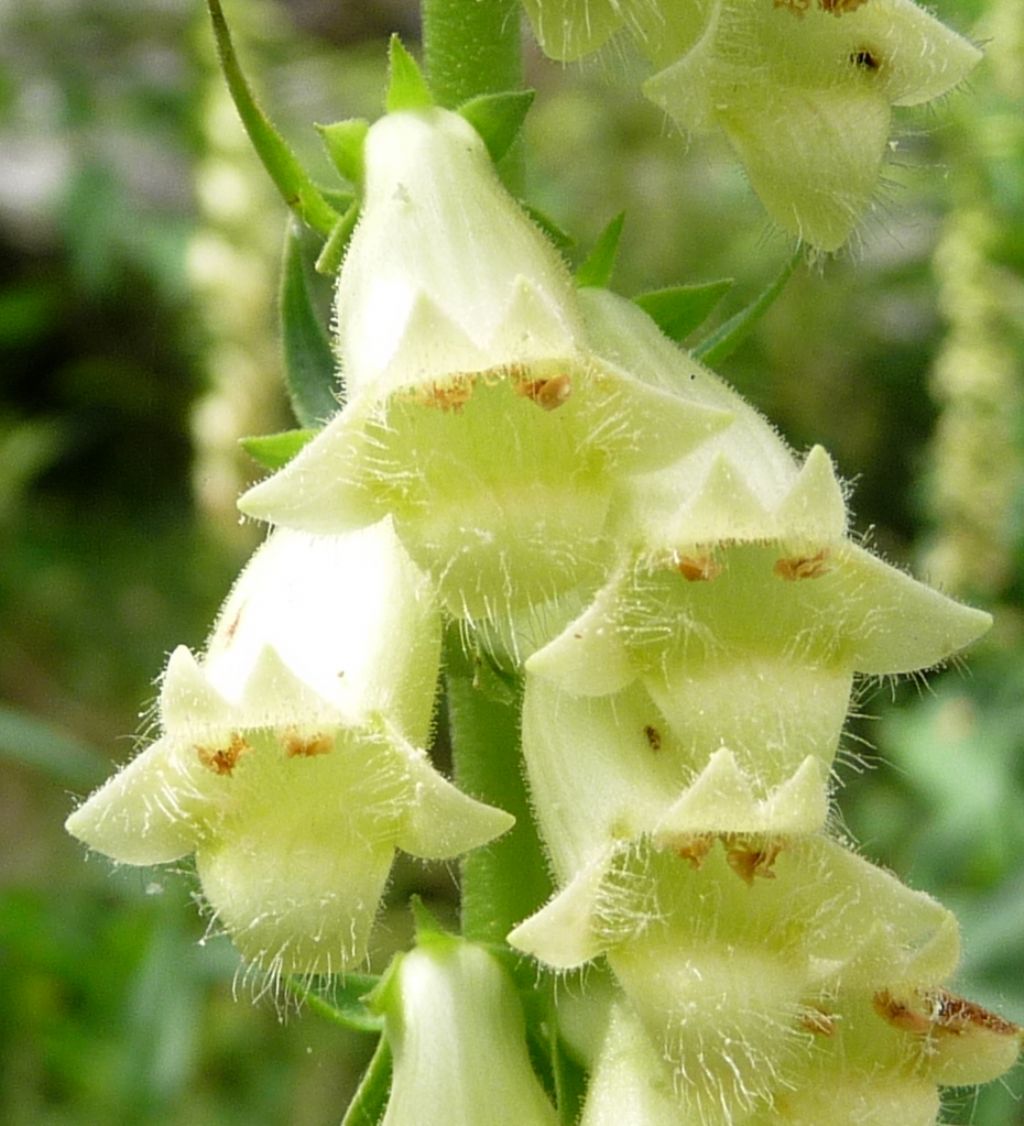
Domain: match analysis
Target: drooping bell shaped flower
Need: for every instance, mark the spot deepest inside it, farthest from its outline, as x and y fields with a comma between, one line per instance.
x=858, y=1070
x=803, y=89
x=712, y=674
x=458, y=1039
x=288, y=758
x=478, y=419
x=757, y=987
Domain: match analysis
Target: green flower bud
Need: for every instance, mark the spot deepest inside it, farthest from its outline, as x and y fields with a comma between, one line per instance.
x=478, y=420
x=458, y=1039
x=285, y=762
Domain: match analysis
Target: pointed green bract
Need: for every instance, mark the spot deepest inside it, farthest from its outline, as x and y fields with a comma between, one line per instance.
x=329, y=260
x=371, y=1095
x=725, y=340
x=347, y=1004
x=344, y=142
x=295, y=186
x=272, y=451
x=309, y=363
x=680, y=309
x=498, y=118
x=407, y=88
x=597, y=269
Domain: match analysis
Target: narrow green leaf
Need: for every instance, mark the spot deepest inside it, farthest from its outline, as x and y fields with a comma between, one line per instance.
x=344, y=141
x=371, y=1097
x=498, y=118
x=30, y=741
x=310, y=369
x=558, y=235
x=679, y=309
x=330, y=259
x=274, y=450
x=346, y=1004
x=597, y=268
x=570, y=1080
x=726, y=339
x=407, y=88
x=295, y=186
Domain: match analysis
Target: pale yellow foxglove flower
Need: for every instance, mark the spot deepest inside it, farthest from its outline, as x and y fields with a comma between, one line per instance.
x=288, y=758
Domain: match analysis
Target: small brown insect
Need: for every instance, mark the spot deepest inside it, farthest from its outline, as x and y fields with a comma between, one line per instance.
x=306, y=746
x=800, y=567
x=548, y=394
x=653, y=737
x=697, y=568
x=222, y=760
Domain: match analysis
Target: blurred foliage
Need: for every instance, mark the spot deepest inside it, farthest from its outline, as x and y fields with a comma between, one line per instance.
x=112, y=1005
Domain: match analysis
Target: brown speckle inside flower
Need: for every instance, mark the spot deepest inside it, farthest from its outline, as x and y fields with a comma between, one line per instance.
x=653, y=737
x=222, y=760
x=307, y=746
x=696, y=849
x=452, y=395
x=798, y=567
x=546, y=393
x=752, y=860
x=697, y=568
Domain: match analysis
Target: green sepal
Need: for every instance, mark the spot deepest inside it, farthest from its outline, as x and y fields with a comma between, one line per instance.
x=597, y=267
x=295, y=186
x=498, y=118
x=556, y=234
x=329, y=261
x=726, y=339
x=371, y=1097
x=428, y=928
x=344, y=141
x=345, y=1004
x=679, y=309
x=407, y=88
x=309, y=364
x=274, y=450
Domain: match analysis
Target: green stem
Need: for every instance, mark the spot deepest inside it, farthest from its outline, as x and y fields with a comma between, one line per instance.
x=507, y=880
x=472, y=47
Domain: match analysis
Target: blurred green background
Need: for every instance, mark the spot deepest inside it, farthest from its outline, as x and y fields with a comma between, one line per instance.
x=137, y=303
